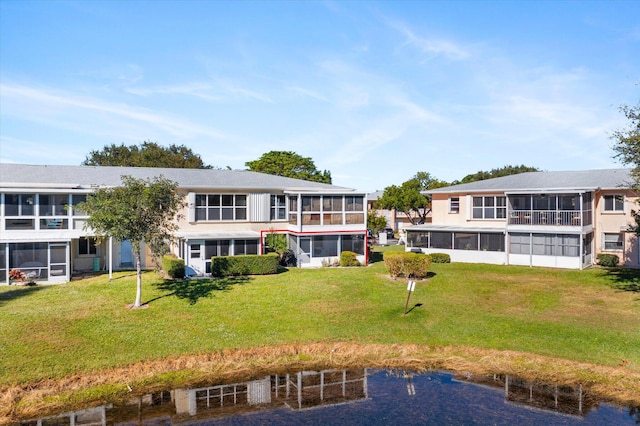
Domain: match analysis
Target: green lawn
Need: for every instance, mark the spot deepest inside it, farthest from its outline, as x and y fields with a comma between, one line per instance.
x=53, y=331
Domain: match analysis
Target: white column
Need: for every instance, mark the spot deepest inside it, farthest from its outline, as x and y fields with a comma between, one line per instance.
x=110, y=258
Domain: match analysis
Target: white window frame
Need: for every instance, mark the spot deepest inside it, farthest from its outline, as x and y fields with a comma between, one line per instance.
x=235, y=208
x=495, y=207
x=89, y=246
x=278, y=208
x=454, y=205
x=619, y=241
x=616, y=208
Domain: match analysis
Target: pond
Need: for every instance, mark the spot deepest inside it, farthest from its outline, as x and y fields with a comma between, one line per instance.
x=360, y=397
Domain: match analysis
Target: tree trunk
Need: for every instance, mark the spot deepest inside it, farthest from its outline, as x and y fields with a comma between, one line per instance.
x=138, y=302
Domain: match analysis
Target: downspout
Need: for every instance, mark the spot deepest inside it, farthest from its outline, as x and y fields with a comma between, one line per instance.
x=110, y=258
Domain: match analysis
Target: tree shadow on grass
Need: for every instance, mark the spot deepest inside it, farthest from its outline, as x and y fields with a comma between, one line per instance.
x=625, y=279
x=195, y=289
x=19, y=291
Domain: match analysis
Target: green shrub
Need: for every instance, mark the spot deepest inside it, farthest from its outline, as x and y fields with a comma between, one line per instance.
x=288, y=258
x=407, y=264
x=439, y=258
x=348, y=258
x=173, y=266
x=608, y=260
x=223, y=266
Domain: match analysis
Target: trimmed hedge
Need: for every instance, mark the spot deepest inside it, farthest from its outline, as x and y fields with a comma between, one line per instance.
x=407, y=264
x=348, y=258
x=608, y=260
x=173, y=266
x=253, y=264
x=439, y=258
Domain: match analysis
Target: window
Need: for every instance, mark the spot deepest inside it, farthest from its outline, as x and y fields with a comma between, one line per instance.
x=19, y=204
x=545, y=244
x=519, y=243
x=491, y=242
x=326, y=245
x=354, y=243
x=293, y=210
x=53, y=204
x=613, y=242
x=613, y=203
x=568, y=245
x=245, y=247
x=87, y=246
x=278, y=207
x=418, y=239
x=441, y=240
x=454, y=205
x=216, y=248
x=75, y=200
x=219, y=207
x=465, y=241
x=354, y=204
x=491, y=207
x=311, y=210
x=330, y=210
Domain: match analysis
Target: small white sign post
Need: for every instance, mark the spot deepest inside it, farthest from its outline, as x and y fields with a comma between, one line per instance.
x=410, y=287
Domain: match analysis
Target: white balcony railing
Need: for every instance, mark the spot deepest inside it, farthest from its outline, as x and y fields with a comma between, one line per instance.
x=545, y=217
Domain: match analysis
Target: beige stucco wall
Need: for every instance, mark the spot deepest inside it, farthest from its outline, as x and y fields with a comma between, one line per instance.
x=616, y=222
x=441, y=216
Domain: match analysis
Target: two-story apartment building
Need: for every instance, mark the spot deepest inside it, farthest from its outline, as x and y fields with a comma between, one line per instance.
x=552, y=219
x=227, y=212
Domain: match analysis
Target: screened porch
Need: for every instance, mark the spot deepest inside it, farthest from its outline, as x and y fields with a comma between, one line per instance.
x=561, y=209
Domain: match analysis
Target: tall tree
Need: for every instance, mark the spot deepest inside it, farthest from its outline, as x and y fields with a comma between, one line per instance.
x=140, y=211
x=627, y=141
x=289, y=164
x=494, y=173
x=627, y=151
x=408, y=198
x=375, y=223
x=147, y=154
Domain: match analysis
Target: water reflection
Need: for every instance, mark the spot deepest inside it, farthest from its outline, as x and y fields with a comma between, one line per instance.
x=359, y=396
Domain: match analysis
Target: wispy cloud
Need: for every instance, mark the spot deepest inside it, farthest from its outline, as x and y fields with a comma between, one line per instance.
x=429, y=46
x=198, y=90
x=34, y=104
x=307, y=93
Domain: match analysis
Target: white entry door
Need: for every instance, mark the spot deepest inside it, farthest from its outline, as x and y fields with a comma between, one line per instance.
x=304, y=256
x=58, y=262
x=195, y=256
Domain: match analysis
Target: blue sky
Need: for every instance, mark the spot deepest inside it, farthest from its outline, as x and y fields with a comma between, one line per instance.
x=371, y=91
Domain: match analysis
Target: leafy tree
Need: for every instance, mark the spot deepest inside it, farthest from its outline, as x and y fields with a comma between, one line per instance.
x=289, y=164
x=140, y=211
x=375, y=223
x=627, y=150
x=276, y=242
x=408, y=198
x=148, y=154
x=627, y=141
x=494, y=173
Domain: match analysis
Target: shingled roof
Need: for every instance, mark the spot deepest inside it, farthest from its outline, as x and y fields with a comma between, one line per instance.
x=16, y=175
x=587, y=180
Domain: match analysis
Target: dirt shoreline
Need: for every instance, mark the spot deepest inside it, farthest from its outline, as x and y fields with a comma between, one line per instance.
x=619, y=385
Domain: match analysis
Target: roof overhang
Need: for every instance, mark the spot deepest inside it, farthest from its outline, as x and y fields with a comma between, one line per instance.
x=332, y=191
x=217, y=235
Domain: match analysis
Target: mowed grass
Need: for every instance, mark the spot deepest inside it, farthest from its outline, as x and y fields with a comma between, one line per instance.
x=83, y=326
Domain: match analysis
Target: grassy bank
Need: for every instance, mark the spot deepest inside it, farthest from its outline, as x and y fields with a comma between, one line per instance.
x=56, y=332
